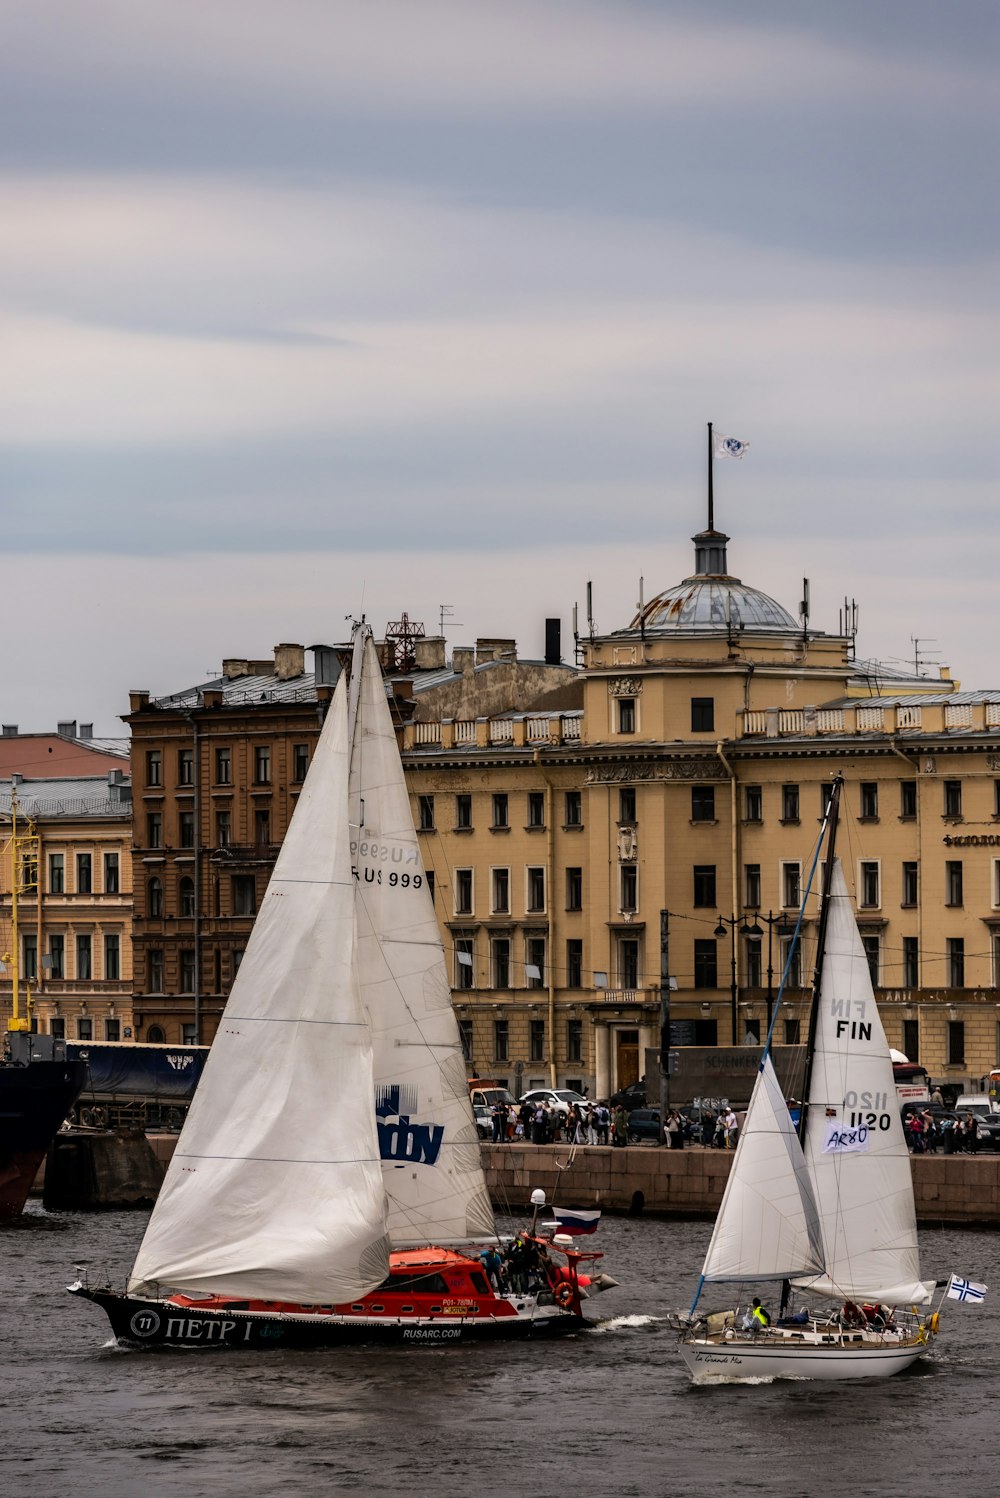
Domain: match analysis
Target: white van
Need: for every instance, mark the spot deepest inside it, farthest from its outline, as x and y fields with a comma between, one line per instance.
x=976, y=1102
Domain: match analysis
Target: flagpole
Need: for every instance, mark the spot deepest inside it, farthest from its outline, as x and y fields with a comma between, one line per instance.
x=711, y=497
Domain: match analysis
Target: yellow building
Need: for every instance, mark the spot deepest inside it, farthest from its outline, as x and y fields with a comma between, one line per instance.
x=72, y=863
x=693, y=783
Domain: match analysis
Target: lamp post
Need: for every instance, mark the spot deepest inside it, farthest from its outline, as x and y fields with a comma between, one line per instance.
x=734, y=921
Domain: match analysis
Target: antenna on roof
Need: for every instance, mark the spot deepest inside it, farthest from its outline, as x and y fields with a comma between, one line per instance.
x=804, y=611
x=445, y=611
x=922, y=657
x=849, y=619
x=590, y=609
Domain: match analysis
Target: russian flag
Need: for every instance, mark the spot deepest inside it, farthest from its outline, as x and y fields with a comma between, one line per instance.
x=576, y=1220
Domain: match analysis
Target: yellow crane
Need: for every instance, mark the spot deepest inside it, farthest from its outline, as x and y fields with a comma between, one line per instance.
x=23, y=850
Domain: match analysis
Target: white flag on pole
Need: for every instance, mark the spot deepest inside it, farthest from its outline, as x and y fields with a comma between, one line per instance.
x=960, y=1289
x=730, y=447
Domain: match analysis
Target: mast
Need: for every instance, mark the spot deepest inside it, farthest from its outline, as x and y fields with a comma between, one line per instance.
x=833, y=816
x=711, y=497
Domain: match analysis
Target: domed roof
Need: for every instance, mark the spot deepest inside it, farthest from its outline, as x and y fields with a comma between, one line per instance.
x=711, y=601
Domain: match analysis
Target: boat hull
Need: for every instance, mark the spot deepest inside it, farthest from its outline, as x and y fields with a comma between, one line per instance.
x=154, y=1323
x=34, y=1100
x=724, y=1362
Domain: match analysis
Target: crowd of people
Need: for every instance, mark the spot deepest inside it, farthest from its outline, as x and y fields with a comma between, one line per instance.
x=538, y=1122
x=927, y=1131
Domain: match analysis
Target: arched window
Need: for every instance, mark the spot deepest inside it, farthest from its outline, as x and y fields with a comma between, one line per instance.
x=187, y=896
x=155, y=1035
x=155, y=897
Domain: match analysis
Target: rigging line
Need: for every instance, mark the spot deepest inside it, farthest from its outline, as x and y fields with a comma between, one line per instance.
x=798, y=928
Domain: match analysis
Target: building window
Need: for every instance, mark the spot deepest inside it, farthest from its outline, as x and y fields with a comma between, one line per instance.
x=154, y=767
x=910, y=883
x=111, y=873
x=953, y=798
x=574, y=1040
x=753, y=949
x=911, y=971
x=869, y=800
x=790, y=956
x=425, y=813
x=112, y=1029
x=628, y=962
x=185, y=767
x=57, y=1027
x=574, y=963
x=703, y=803
x=500, y=962
x=911, y=1040
x=536, y=808
x=626, y=806
x=873, y=952
x=869, y=883
x=154, y=968
x=953, y=881
x=996, y=798
x=29, y=956
x=57, y=956
x=956, y=962
x=536, y=890
x=574, y=889
x=534, y=970
x=186, y=892
x=187, y=970
x=907, y=800
x=84, y=1028
x=154, y=830
x=791, y=885
x=825, y=797
x=536, y=1040
x=628, y=887
x=186, y=827
x=262, y=826
x=706, y=969
x=154, y=897
x=465, y=971
x=29, y=872
x=463, y=892
x=57, y=873
x=751, y=885
x=463, y=813
x=702, y=714
x=223, y=766
x=753, y=804
x=262, y=764
x=188, y=1036
x=300, y=763
x=704, y=884
x=501, y=1040
x=84, y=957
x=244, y=894
x=500, y=892
x=751, y=1032
x=789, y=803
x=626, y=714
x=573, y=809
x=223, y=827
x=465, y=1035
x=793, y=1032
x=84, y=874
x=501, y=816
x=155, y=1035
x=429, y=876
x=956, y=1042
x=112, y=957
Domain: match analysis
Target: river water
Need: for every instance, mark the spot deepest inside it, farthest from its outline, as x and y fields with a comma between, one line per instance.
x=607, y=1412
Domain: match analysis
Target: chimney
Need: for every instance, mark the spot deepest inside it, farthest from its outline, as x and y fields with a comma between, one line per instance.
x=86, y=730
x=428, y=654
x=10, y=730
x=137, y=701
x=211, y=697
x=495, y=649
x=463, y=659
x=67, y=729
x=236, y=667
x=289, y=661
x=553, y=642
x=326, y=665
x=16, y=779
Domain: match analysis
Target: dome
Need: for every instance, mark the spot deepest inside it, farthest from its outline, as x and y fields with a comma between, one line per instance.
x=710, y=601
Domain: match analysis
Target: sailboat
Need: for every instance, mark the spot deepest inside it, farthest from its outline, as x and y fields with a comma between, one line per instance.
x=327, y=1186
x=826, y=1211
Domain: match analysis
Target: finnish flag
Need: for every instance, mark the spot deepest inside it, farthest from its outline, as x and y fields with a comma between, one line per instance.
x=730, y=447
x=966, y=1290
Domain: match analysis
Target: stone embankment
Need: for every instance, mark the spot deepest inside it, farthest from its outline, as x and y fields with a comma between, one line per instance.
x=689, y=1182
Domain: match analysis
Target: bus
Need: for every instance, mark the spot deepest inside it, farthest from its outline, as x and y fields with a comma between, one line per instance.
x=912, y=1082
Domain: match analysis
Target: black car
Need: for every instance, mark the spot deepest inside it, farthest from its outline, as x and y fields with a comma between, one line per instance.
x=644, y=1123
x=632, y=1096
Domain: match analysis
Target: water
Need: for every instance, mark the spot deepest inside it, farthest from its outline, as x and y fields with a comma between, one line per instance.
x=604, y=1413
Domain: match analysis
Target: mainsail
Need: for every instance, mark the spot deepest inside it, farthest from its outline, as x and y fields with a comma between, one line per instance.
x=767, y=1227
x=275, y=1190
x=432, y=1172
x=854, y=1144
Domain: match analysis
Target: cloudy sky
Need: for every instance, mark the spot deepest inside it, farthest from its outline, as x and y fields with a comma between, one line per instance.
x=315, y=306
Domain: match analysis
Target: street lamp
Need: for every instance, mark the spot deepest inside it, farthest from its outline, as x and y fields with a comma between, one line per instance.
x=732, y=921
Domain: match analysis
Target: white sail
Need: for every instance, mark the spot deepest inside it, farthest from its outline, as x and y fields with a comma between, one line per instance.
x=432, y=1170
x=854, y=1144
x=767, y=1227
x=275, y=1189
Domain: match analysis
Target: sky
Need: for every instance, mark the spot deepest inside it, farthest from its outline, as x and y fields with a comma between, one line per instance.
x=311, y=308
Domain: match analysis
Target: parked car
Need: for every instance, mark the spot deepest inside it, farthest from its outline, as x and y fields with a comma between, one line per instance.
x=644, y=1123
x=484, y=1121
x=560, y=1099
x=632, y=1096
